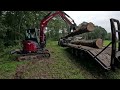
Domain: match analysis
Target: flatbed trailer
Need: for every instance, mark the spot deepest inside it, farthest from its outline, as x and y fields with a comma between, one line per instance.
x=108, y=55
x=104, y=59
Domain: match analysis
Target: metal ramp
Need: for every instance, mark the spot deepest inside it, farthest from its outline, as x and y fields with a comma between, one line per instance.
x=103, y=58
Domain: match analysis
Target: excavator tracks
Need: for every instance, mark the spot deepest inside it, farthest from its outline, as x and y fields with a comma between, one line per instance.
x=23, y=57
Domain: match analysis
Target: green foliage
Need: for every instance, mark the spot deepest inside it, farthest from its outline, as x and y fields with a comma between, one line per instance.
x=98, y=32
x=55, y=26
x=108, y=36
x=106, y=42
x=8, y=64
x=14, y=23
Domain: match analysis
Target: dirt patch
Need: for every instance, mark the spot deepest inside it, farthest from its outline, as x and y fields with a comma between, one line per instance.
x=21, y=69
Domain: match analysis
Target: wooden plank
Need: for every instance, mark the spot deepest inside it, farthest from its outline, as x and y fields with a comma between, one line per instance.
x=104, y=57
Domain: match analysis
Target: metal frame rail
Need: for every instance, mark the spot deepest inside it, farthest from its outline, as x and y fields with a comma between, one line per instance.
x=115, y=54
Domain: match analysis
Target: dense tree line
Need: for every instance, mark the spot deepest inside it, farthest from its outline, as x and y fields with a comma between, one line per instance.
x=99, y=32
x=14, y=23
x=109, y=36
x=57, y=29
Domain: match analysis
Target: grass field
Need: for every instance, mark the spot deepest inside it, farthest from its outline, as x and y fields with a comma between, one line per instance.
x=106, y=42
x=61, y=65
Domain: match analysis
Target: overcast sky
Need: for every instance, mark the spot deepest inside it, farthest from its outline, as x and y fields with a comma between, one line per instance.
x=100, y=18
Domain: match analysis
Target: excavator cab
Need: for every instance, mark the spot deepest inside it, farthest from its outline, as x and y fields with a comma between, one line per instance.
x=31, y=41
x=32, y=34
x=31, y=47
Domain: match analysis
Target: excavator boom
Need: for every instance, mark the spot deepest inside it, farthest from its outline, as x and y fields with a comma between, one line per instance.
x=48, y=17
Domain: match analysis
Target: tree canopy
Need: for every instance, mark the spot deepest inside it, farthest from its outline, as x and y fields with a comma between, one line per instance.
x=99, y=32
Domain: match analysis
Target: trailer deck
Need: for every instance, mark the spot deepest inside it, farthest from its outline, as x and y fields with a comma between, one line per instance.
x=103, y=59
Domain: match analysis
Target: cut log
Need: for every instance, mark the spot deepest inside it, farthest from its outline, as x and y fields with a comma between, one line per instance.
x=86, y=26
x=72, y=45
x=82, y=28
x=97, y=43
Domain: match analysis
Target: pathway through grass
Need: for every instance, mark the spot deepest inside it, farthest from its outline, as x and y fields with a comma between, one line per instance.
x=61, y=65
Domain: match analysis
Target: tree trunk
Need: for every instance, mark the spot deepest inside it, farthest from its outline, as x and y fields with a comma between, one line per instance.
x=19, y=27
x=82, y=28
x=97, y=43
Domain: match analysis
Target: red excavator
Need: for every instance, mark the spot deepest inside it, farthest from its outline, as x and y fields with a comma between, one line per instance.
x=35, y=39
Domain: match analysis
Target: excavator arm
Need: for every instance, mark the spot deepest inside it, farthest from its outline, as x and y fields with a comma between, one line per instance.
x=48, y=17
